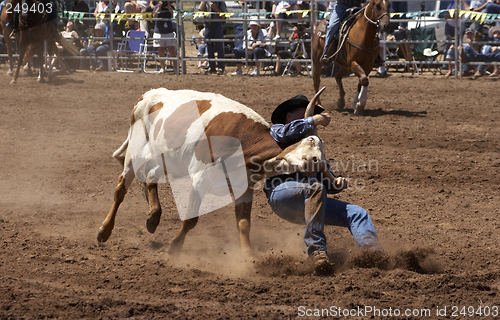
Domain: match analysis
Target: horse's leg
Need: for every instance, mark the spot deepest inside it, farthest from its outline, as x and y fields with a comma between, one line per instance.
x=356, y=96
x=243, y=208
x=41, y=58
x=124, y=182
x=338, y=78
x=22, y=50
x=363, y=91
x=8, y=43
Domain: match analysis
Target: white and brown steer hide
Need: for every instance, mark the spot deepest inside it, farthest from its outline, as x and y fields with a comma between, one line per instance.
x=185, y=133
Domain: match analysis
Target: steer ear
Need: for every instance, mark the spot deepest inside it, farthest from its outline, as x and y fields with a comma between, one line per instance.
x=312, y=104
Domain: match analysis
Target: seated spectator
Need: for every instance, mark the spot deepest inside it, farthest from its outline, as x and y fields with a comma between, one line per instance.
x=202, y=51
x=97, y=48
x=299, y=33
x=70, y=34
x=450, y=54
x=163, y=36
x=468, y=54
x=258, y=44
x=279, y=8
x=494, y=37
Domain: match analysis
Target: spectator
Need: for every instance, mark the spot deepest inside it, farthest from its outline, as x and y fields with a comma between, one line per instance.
x=299, y=34
x=258, y=44
x=164, y=29
x=102, y=7
x=132, y=24
x=202, y=51
x=484, y=6
x=81, y=6
x=214, y=30
x=279, y=8
x=97, y=48
x=450, y=54
x=69, y=33
x=494, y=37
x=399, y=7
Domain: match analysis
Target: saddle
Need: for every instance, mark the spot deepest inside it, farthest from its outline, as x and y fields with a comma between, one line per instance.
x=345, y=26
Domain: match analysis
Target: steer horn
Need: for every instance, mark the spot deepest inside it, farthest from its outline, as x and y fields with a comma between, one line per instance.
x=309, y=113
x=312, y=104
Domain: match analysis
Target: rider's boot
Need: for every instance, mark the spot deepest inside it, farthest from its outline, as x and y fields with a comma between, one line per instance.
x=328, y=57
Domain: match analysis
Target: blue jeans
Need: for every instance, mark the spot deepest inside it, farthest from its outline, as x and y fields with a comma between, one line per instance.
x=305, y=202
x=256, y=53
x=215, y=30
x=336, y=17
x=481, y=57
x=94, y=53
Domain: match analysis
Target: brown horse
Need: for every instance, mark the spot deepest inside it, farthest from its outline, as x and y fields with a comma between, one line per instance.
x=358, y=53
x=36, y=29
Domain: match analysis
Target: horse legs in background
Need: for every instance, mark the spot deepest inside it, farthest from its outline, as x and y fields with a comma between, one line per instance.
x=23, y=37
x=338, y=78
x=361, y=96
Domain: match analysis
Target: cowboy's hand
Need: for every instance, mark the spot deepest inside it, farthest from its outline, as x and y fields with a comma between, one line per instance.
x=322, y=119
x=341, y=183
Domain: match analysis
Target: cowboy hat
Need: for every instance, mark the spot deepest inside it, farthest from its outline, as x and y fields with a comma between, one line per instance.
x=429, y=53
x=493, y=30
x=254, y=23
x=299, y=101
x=101, y=26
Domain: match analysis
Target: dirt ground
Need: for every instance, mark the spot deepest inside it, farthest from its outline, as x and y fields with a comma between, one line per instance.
x=425, y=161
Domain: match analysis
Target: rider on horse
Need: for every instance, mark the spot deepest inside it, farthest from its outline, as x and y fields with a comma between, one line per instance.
x=336, y=18
x=49, y=10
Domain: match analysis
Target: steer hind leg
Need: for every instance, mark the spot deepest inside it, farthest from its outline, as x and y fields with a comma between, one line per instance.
x=107, y=226
x=243, y=207
x=154, y=207
x=188, y=224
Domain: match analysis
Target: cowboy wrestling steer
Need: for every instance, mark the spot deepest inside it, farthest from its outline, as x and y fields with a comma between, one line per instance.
x=198, y=136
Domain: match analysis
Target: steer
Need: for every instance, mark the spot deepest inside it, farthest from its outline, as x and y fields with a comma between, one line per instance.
x=200, y=136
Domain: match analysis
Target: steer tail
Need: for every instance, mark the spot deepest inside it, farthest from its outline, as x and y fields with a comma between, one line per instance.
x=119, y=154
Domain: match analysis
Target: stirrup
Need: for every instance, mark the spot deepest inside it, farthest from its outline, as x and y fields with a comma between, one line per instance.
x=326, y=60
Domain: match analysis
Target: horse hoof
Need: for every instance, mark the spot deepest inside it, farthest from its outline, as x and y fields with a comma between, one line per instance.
x=358, y=110
x=10, y=73
x=41, y=80
x=13, y=81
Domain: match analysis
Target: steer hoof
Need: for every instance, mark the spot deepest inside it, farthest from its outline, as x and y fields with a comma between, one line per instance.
x=103, y=235
x=151, y=224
